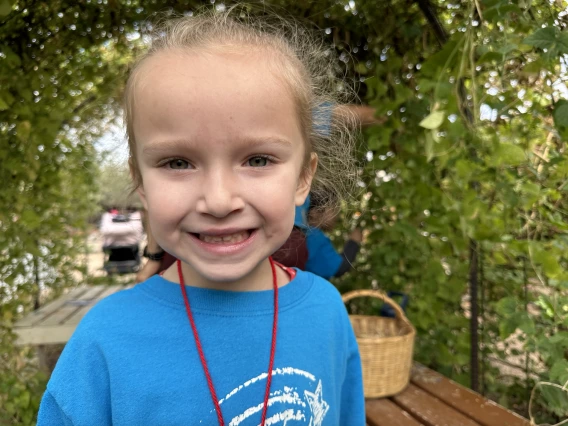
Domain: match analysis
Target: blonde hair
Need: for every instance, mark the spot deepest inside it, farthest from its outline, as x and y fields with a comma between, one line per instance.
x=305, y=64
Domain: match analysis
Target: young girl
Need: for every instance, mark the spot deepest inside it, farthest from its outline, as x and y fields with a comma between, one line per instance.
x=220, y=127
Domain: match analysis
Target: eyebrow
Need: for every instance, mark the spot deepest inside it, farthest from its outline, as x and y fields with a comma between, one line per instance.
x=169, y=145
x=157, y=147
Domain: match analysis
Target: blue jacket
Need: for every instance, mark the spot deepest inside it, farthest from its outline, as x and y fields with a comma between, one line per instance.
x=323, y=259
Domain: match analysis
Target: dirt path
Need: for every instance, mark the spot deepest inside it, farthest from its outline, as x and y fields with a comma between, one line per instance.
x=95, y=256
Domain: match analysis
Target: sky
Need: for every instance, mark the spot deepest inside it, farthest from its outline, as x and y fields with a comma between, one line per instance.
x=113, y=145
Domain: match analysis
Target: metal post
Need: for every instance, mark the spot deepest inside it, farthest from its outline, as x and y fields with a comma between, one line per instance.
x=474, y=324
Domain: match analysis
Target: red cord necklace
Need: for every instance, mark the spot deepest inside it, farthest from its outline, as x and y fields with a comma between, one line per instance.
x=202, y=355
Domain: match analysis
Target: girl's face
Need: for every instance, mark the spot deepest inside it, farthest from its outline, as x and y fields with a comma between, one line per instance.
x=220, y=152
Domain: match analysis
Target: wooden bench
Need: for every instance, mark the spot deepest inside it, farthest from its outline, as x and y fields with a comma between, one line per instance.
x=433, y=400
x=55, y=322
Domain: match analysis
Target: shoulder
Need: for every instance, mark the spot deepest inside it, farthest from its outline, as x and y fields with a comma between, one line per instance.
x=319, y=283
x=322, y=291
x=324, y=309
x=112, y=311
x=111, y=303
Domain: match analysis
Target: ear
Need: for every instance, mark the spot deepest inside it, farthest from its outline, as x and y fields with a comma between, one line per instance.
x=305, y=181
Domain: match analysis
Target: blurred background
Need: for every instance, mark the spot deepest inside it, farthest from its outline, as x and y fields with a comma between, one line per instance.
x=464, y=183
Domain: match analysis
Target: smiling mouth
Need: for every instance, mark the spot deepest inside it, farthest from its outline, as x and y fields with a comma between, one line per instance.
x=225, y=239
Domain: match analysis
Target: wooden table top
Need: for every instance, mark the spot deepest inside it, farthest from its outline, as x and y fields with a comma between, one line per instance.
x=433, y=400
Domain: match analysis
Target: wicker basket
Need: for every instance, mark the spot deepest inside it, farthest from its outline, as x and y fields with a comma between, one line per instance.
x=386, y=346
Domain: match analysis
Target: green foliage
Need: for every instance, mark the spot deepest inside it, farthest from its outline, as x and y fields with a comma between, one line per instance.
x=58, y=87
x=471, y=163
x=22, y=385
x=115, y=186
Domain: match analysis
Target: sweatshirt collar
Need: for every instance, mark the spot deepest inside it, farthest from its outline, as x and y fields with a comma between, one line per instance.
x=229, y=302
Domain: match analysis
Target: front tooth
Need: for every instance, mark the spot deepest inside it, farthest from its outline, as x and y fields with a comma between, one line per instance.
x=234, y=238
x=210, y=239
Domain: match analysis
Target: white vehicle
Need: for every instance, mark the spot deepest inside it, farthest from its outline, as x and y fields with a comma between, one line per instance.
x=122, y=235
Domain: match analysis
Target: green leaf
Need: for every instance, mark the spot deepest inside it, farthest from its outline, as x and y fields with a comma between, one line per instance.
x=361, y=68
x=499, y=258
x=507, y=306
x=433, y=120
x=560, y=338
x=556, y=400
x=533, y=68
x=508, y=154
x=10, y=407
x=3, y=105
x=550, y=38
x=543, y=38
x=24, y=400
x=379, y=136
x=23, y=130
x=507, y=326
x=526, y=324
x=548, y=307
x=464, y=168
x=429, y=146
x=488, y=57
x=12, y=59
x=549, y=263
x=447, y=57
x=507, y=48
x=5, y=7
x=30, y=219
x=499, y=9
x=563, y=43
x=530, y=193
x=561, y=115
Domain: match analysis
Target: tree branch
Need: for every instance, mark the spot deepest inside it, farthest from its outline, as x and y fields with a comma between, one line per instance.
x=432, y=18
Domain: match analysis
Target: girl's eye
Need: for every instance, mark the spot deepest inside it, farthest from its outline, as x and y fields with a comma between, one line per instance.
x=178, y=164
x=258, y=162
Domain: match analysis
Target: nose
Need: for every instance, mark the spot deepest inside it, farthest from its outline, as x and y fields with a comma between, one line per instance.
x=219, y=195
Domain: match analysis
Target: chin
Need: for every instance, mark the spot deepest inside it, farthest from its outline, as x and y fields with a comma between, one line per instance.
x=224, y=273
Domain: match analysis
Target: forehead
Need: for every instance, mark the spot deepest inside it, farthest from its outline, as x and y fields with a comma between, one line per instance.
x=212, y=95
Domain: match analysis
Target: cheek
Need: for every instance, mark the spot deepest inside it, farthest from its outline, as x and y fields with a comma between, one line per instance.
x=160, y=198
x=276, y=205
x=165, y=200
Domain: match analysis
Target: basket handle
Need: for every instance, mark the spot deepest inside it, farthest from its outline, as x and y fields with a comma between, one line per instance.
x=399, y=313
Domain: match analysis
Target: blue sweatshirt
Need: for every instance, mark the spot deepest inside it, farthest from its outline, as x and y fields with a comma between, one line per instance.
x=133, y=361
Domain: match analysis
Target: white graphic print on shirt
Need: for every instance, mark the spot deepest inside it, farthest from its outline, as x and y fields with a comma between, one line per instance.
x=297, y=403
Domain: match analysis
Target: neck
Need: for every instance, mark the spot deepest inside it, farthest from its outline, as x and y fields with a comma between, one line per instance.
x=260, y=278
